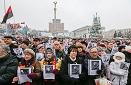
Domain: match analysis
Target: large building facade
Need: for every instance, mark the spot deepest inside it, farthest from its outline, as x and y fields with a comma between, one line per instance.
x=84, y=32
x=59, y=26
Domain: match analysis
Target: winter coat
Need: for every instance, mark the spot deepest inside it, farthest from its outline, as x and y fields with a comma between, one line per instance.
x=90, y=78
x=108, y=51
x=59, y=53
x=8, y=69
x=128, y=59
x=11, y=48
x=51, y=61
x=66, y=79
x=36, y=68
x=117, y=77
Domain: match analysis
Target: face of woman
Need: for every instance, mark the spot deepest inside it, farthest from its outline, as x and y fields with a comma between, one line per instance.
x=56, y=46
x=79, y=50
x=100, y=53
x=49, y=54
x=27, y=56
x=73, y=53
x=42, y=49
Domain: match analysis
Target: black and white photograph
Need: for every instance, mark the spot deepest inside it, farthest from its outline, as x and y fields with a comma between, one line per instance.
x=22, y=75
x=47, y=72
x=39, y=56
x=74, y=70
x=24, y=71
x=48, y=69
x=18, y=52
x=66, y=48
x=95, y=65
x=124, y=66
x=106, y=58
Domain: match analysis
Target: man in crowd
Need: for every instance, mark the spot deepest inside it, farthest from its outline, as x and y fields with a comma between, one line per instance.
x=93, y=55
x=36, y=42
x=8, y=40
x=8, y=65
x=109, y=47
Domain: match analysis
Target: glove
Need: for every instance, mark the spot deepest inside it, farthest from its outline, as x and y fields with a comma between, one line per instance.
x=55, y=71
x=82, y=76
x=99, y=72
x=32, y=75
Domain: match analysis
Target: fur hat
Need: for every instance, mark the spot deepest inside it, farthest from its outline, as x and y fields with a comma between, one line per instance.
x=30, y=51
x=120, y=54
x=128, y=48
x=79, y=45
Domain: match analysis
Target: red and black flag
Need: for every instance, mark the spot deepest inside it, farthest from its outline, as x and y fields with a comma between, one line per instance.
x=8, y=15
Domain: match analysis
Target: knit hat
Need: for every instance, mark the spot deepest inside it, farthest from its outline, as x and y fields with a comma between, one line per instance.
x=120, y=54
x=30, y=51
x=121, y=47
x=128, y=48
x=40, y=45
x=79, y=45
x=26, y=42
x=49, y=50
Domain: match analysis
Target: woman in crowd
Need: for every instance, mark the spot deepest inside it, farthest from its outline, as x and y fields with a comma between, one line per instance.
x=50, y=59
x=71, y=59
x=41, y=48
x=118, y=77
x=58, y=50
x=30, y=61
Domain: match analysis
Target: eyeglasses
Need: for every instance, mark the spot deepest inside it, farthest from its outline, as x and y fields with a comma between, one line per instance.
x=94, y=52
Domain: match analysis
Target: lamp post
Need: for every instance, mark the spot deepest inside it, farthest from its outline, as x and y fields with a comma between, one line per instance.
x=55, y=29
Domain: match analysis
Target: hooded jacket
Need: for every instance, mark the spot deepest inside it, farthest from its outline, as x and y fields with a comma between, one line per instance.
x=118, y=77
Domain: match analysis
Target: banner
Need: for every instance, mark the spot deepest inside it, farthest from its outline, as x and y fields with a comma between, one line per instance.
x=15, y=26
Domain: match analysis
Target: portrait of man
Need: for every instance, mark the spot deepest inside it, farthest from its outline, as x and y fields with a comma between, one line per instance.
x=48, y=69
x=95, y=65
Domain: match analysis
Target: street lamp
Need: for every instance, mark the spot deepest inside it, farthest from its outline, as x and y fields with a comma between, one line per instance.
x=55, y=29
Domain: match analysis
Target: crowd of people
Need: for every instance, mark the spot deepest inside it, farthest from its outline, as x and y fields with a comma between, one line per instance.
x=110, y=59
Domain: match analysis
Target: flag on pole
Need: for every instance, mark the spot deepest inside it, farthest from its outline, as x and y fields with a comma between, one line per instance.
x=8, y=15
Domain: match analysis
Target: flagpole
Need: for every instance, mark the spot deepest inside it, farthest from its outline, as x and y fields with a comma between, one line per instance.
x=4, y=6
x=5, y=13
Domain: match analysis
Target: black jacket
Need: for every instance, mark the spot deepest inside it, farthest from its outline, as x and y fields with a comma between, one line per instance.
x=66, y=79
x=11, y=48
x=128, y=59
x=8, y=69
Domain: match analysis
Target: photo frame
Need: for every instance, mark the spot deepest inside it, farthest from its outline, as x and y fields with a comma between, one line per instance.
x=93, y=66
x=22, y=75
x=39, y=56
x=19, y=52
x=74, y=70
x=47, y=72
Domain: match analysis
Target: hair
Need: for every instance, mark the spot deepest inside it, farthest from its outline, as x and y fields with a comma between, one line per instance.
x=5, y=48
x=92, y=48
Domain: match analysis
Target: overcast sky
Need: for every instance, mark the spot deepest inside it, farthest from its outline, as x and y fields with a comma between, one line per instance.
x=114, y=14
